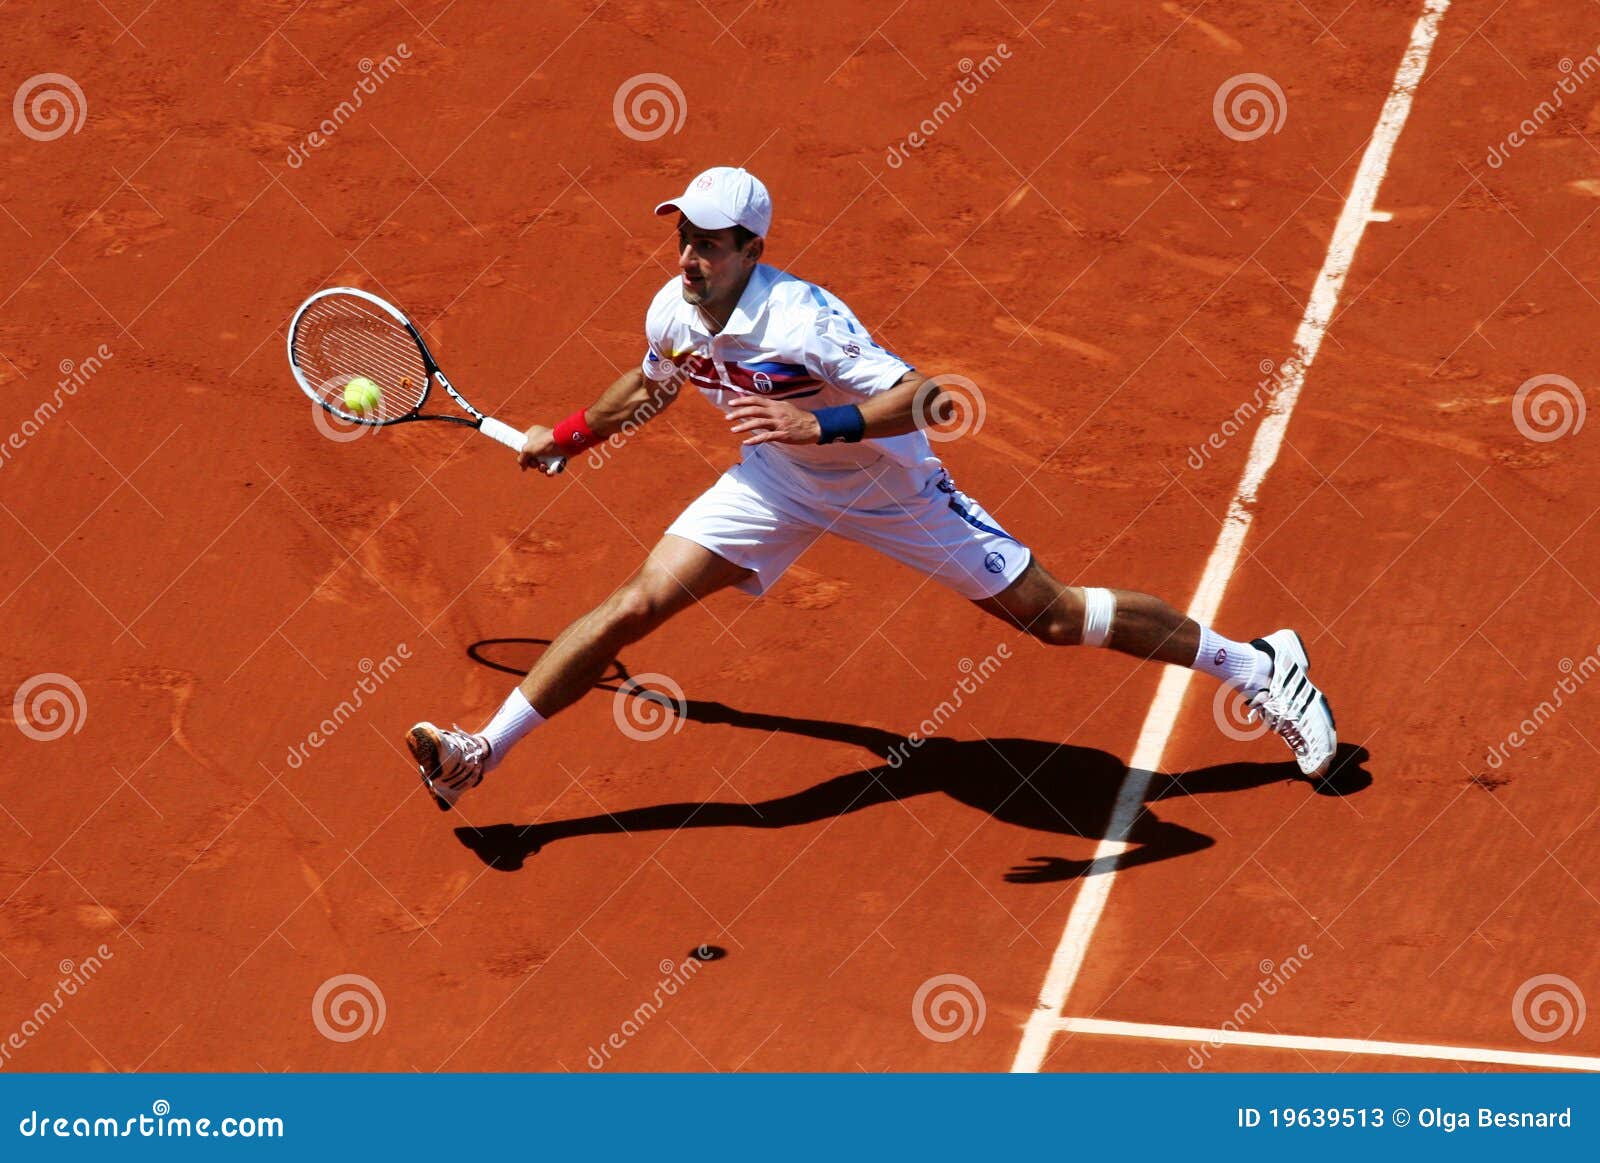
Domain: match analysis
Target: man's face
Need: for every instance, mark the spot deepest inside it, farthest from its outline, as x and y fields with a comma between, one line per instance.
x=714, y=267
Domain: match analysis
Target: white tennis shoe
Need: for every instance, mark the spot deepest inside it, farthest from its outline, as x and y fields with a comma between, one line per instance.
x=451, y=762
x=1292, y=705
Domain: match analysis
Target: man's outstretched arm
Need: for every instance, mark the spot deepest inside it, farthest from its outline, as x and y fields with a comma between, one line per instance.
x=631, y=400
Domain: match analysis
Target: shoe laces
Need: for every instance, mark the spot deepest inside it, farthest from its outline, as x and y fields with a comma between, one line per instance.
x=472, y=750
x=1277, y=719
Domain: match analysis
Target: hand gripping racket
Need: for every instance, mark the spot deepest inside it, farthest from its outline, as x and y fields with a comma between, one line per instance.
x=340, y=334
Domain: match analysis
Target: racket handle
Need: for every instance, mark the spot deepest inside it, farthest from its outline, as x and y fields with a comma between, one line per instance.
x=514, y=440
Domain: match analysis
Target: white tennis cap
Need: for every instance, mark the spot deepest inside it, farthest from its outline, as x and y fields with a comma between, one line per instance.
x=722, y=197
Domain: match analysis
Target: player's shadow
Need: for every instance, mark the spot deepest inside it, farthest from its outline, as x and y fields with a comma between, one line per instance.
x=1043, y=786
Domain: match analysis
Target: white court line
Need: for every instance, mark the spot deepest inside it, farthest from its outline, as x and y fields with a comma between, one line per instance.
x=1163, y=715
x=1198, y=1035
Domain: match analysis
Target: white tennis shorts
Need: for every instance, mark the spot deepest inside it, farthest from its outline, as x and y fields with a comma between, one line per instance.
x=758, y=516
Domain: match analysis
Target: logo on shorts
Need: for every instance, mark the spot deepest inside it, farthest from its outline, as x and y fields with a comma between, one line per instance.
x=852, y=349
x=994, y=563
x=1222, y=656
x=761, y=381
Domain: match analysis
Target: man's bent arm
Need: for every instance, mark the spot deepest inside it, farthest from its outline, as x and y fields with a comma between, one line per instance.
x=907, y=406
x=900, y=410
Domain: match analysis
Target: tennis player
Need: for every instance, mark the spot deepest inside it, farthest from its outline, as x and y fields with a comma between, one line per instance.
x=831, y=431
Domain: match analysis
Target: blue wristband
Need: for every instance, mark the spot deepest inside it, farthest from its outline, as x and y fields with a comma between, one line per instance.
x=841, y=423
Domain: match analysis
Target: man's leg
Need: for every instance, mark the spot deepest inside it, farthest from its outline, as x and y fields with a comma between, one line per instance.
x=1126, y=621
x=1140, y=624
x=676, y=573
x=1270, y=672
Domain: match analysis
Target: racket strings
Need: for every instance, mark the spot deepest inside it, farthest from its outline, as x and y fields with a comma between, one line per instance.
x=341, y=337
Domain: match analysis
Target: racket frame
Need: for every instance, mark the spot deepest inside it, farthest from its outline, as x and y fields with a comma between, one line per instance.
x=494, y=429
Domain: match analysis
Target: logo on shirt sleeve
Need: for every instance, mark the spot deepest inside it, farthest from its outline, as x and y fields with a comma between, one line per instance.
x=831, y=325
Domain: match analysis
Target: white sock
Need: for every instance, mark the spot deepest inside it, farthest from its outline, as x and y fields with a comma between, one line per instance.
x=515, y=718
x=1236, y=662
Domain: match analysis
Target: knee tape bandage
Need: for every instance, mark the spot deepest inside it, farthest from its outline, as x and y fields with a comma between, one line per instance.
x=1099, y=608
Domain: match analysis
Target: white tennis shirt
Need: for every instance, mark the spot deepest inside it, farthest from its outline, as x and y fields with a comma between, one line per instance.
x=790, y=340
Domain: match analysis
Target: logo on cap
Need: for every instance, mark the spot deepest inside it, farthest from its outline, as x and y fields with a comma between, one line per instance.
x=704, y=182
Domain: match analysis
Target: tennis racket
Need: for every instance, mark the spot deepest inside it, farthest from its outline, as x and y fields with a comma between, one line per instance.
x=340, y=334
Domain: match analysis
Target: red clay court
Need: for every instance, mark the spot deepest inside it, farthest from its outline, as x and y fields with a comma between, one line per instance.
x=201, y=577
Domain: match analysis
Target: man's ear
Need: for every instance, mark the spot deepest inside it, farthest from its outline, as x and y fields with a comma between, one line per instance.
x=754, y=248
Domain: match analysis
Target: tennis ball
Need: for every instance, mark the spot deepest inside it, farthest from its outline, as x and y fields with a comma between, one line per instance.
x=361, y=396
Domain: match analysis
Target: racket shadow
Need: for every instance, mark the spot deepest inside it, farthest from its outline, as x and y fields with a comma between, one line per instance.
x=1038, y=785
x=516, y=656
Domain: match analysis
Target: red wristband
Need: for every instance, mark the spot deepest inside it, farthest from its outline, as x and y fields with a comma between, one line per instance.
x=572, y=435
